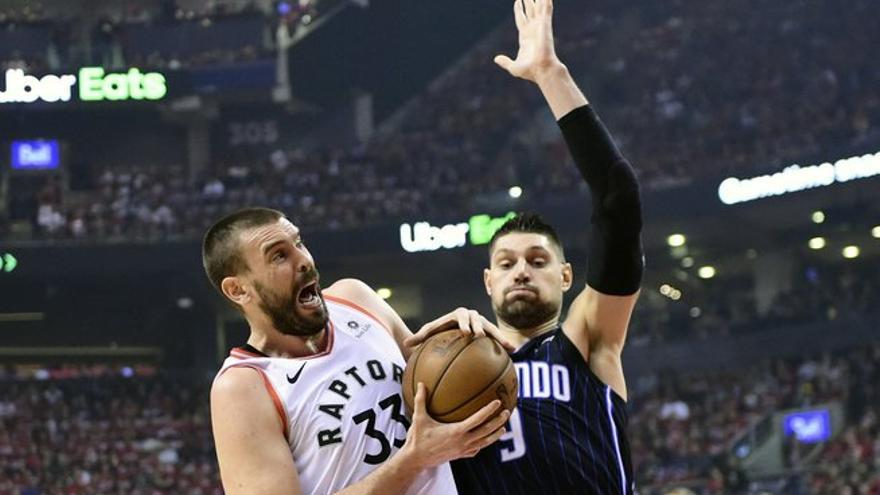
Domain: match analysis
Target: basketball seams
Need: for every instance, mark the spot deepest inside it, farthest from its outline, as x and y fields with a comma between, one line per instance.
x=494, y=383
x=463, y=372
x=445, y=369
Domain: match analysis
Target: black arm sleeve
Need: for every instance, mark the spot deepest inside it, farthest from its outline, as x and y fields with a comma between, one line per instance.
x=616, y=262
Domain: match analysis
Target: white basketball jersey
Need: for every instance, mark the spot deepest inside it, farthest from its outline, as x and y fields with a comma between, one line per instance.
x=342, y=410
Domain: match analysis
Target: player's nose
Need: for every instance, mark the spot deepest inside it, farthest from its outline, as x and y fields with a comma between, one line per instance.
x=521, y=272
x=304, y=264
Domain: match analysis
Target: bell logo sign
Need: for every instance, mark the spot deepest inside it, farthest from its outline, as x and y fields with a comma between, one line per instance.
x=94, y=85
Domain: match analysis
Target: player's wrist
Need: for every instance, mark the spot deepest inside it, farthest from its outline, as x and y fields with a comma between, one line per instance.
x=551, y=73
x=408, y=458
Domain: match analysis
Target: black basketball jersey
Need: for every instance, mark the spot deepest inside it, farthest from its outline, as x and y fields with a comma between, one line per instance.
x=566, y=436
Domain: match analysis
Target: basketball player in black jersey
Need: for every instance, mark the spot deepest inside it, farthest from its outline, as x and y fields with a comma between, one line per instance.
x=568, y=433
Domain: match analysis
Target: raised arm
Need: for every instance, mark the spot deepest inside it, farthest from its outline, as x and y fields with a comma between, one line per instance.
x=598, y=319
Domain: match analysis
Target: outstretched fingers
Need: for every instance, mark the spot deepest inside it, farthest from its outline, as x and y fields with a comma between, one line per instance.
x=478, y=418
x=545, y=6
x=519, y=14
x=530, y=8
x=489, y=432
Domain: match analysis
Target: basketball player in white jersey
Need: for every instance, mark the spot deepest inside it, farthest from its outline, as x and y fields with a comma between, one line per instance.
x=312, y=403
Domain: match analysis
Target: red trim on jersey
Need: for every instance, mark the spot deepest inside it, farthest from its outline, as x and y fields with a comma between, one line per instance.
x=243, y=354
x=279, y=406
x=239, y=353
x=352, y=305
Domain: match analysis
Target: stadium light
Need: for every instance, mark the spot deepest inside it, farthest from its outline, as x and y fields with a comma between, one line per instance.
x=816, y=243
x=687, y=262
x=875, y=232
x=695, y=312
x=665, y=289
x=384, y=292
x=851, y=252
x=515, y=192
x=706, y=272
x=818, y=216
x=675, y=295
x=676, y=240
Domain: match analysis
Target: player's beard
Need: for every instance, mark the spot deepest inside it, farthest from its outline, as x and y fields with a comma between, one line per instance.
x=283, y=310
x=522, y=314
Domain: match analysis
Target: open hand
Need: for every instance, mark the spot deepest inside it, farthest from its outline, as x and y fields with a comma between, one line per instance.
x=537, y=54
x=467, y=320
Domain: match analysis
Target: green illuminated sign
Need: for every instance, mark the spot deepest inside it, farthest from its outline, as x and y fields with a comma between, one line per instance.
x=8, y=262
x=95, y=85
x=483, y=227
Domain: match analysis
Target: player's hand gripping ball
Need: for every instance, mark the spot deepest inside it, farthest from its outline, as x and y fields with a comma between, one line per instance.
x=461, y=374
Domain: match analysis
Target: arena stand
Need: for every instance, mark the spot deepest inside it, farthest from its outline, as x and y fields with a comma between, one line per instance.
x=462, y=139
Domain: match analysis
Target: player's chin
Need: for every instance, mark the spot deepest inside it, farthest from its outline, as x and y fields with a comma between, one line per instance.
x=521, y=305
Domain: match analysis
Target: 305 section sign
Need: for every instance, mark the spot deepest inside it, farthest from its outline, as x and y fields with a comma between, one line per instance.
x=91, y=83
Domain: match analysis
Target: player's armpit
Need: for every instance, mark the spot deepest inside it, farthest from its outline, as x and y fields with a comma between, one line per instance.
x=253, y=453
x=362, y=295
x=597, y=325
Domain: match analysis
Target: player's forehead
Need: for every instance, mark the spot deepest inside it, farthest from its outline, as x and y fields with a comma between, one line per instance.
x=521, y=242
x=257, y=240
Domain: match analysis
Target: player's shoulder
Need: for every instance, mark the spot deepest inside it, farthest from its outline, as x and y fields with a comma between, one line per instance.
x=239, y=385
x=354, y=293
x=352, y=289
x=358, y=295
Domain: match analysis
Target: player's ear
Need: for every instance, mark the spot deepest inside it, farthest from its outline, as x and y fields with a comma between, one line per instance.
x=487, y=281
x=567, y=276
x=234, y=290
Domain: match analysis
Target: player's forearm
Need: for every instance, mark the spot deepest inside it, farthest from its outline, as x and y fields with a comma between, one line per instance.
x=560, y=90
x=615, y=262
x=394, y=476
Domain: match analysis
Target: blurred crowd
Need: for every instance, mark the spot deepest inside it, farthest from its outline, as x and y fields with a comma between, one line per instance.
x=107, y=429
x=683, y=426
x=105, y=432
x=40, y=37
x=814, y=292
x=689, y=94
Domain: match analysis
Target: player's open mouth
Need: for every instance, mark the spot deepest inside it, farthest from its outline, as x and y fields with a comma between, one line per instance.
x=308, y=296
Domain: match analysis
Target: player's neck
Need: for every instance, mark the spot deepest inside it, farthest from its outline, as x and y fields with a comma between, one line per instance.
x=519, y=336
x=277, y=344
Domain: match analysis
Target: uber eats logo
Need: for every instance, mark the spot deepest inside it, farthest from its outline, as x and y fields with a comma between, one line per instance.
x=92, y=83
x=422, y=236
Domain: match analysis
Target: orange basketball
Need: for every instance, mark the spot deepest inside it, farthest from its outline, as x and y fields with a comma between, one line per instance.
x=461, y=374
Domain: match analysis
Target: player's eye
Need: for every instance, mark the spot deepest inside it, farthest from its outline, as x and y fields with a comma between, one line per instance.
x=299, y=243
x=505, y=264
x=278, y=256
x=539, y=262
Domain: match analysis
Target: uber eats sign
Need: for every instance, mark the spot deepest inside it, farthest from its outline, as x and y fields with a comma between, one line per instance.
x=90, y=83
x=422, y=236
